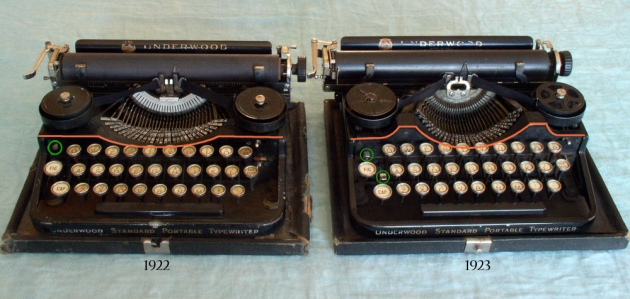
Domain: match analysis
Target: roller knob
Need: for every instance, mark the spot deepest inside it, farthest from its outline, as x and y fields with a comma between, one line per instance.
x=300, y=69
x=567, y=63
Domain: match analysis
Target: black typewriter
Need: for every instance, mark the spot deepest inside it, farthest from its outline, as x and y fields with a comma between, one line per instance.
x=437, y=140
x=172, y=139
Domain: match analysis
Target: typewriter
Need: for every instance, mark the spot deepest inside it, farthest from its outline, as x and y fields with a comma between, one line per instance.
x=442, y=144
x=164, y=141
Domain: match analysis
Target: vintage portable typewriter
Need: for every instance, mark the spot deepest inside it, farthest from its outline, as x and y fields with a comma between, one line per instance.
x=442, y=144
x=168, y=147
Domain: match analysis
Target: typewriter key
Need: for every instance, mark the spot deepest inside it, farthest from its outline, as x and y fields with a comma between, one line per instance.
x=508, y=167
x=174, y=171
x=231, y=171
x=179, y=190
x=120, y=189
x=481, y=148
x=462, y=149
x=218, y=190
x=500, y=148
x=78, y=169
x=422, y=189
x=149, y=152
x=214, y=170
x=407, y=149
x=403, y=189
x=445, y=148
x=535, y=186
x=250, y=171
x=389, y=150
x=97, y=169
x=536, y=147
x=460, y=188
x=130, y=151
x=112, y=151
x=59, y=190
x=489, y=168
x=426, y=149
x=563, y=165
x=154, y=170
x=383, y=192
x=159, y=190
x=527, y=167
x=194, y=170
x=226, y=151
x=440, y=188
x=81, y=189
x=169, y=152
x=116, y=170
x=517, y=186
x=53, y=168
x=100, y=189
x=477, y=187
x=498, y=187
x=245, y=152
x=367, y=169
x=554, y=147
x=237, y=191
x=396, y=170
x=198, y=190
x=451, y=168
x=139, y=189
x=554, y=186
x=517, y=147
x=73, y=150
x=189, y=151
x=94, y=149
x=471, y=168
x=434, y=169
x=414, y=169
x=136, y=170
x=545, y=167
x=206, y=151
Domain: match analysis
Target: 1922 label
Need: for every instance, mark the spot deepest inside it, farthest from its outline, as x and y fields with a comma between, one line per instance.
x=479, y=265
x=150, y=265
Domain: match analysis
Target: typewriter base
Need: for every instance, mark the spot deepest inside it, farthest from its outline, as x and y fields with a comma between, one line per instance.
x=290, y=239
x=607, y=232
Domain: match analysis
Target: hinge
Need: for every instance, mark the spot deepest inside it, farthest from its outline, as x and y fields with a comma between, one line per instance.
x=478, y=245
x=156, y=246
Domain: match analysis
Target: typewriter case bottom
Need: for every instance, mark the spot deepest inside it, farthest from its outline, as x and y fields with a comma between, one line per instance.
x=289, y=239
x=608, y=231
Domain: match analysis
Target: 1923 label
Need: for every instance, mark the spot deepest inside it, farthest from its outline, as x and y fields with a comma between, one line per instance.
x=479, y=265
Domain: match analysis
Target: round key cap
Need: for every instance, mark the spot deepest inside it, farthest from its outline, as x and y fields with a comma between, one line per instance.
x=545, y=167
x=100, y=189
x=422, y=188
x=53, y=168
x=406, y=149
x=149, y=152
x=434, y=169
x=440, y=188
x=250, y=171
x=403, y=189
x=214, y=170
x=554, y=147
x=198, y=190
x=139, y=189
x=97, y=169
x=154, y=170
x=169, y=152
x=179, y=190
x=535, y=186
x=112, y=151
x=426, y=148
x=389, y=150
x=536, y=147
x=460, y=187
x=226, y=151
x=517, y=186
x=60, y=189
x=462, y=149
x=554, y=186
x=383, y=191
x=73, y=150
x=159, y=190
x=527, y=167
x=231, y=171
x=500, y=148
x=206, y=151
x=481, y=148
x=81, y=189
x=367, y=169
x=174, y=171
x=245, y=152
x=120, y=189
x=218, y=190
x=414, y=169
x=396, y=170
x=189, y=151
x=136, y=170
x=78, y=169
x=130, y=151
x=517, y=147
x=563, y=165
x=508, y=167
x=194, y=170
x=116, y=170
x=237, y=191
x=451, y=168
x=471, y=168
x=498, y=187
x=489, y=168
x=477, y=187
x=445, y=148
x=94, y=149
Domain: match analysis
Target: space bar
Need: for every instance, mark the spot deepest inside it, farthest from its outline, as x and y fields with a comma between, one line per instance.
x=483, y=209
x=159, y=209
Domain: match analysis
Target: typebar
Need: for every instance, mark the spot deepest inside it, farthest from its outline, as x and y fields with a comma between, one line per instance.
x=159, y=209
x=483, y=209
